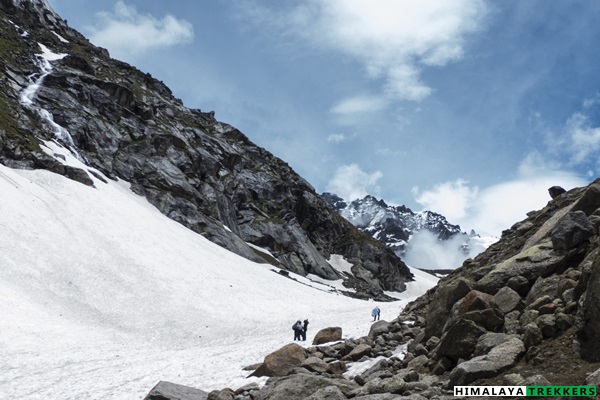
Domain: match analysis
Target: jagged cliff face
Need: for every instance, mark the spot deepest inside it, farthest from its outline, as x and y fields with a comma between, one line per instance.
x=203, y=173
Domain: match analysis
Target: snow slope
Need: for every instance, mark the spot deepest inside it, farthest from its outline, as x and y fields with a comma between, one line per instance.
x=101, y=296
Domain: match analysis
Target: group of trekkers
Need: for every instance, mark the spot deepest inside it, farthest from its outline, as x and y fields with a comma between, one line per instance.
x=300, y=327
x=300, y=330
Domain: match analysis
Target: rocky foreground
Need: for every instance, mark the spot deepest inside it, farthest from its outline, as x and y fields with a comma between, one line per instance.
x=525, y=312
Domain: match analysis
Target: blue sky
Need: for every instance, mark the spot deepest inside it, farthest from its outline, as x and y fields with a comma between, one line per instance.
x=469, y=108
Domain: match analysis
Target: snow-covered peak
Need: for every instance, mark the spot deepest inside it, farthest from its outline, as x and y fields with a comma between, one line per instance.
x=411, y=235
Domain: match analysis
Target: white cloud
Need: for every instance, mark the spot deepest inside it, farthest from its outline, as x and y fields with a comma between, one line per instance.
x=126, y=33
x=337, y=138
x=493, y=209
x=393, y=40
x=425, y=250
x=451, y=199
x=351, y=183
x=359, y=104
x=583, y=139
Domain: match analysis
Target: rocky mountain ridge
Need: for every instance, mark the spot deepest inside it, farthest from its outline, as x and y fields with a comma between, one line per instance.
x=392, y=225
x=205, y=174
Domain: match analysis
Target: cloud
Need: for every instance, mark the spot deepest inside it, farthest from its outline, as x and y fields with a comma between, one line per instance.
x=425, y=250
x=393, y=40
x=351, y=183
x=359, y=104
x=451, y=199
x=337, y=138
x=126, y=33
x=495, y=208
x=583, y=139
x=575, y=144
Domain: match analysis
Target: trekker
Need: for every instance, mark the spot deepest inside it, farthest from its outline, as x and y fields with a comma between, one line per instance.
x=297, y=327
x=375, y=313
x=304, y=329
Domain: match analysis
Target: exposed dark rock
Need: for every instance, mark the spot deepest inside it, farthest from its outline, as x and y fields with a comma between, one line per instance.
x=556, y=191
x=282, y=361
x=460, y=340
x=379, y=328
x=497, y=360
x=301, y=387
x=172, y=391
x=590, y=201
x=590, y=337
x=488, y=341
x=326, y=335
x=572, y=230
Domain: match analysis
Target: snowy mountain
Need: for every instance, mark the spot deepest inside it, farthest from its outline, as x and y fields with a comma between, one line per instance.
x=425, y=239
x=122, y=124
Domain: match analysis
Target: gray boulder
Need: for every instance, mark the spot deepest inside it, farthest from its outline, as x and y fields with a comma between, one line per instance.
x=460, y=340
x=326, y=335
x=572, y=230
x=490, y=340
x=507, y=300
x=359, y=352
x=556, y=191
x=589, y=336
x=301, y=387
x=379, y=328
x=480, y=308
x=327, y=393
x=499, y=359
x=282, y=361
x=172, y=391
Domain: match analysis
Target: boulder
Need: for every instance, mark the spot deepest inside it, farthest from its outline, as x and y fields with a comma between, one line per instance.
x=507, y=300
x=326, y=335
x=379, y=328
x=519, y=284
x=531, y=263
x=460, y=340
x=532, y=335
x=593, y=379
x=572, y=230
x=359, y=352
x=556, y=191
x=301, y=387
x=547, y=324
x=224, y=394
x=172, y=391
x=499, y=359
x=589, y=337
x=488, y=341
x=282, y=361
x=480, y=308
x=315, y=364
x=590, y=201
x=327, y=393
x=443, y=299
x=535, y=380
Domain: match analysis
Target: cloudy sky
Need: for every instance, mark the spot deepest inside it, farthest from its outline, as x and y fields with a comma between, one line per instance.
x=468, y=108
